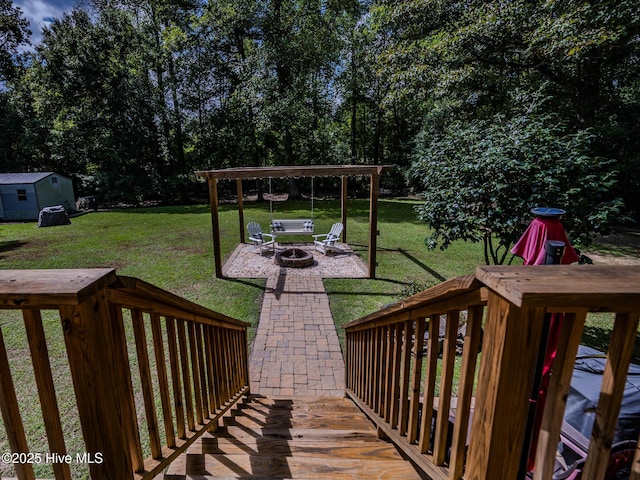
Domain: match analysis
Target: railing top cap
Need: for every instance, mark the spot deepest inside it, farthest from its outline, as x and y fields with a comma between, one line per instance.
x=588, y=286
x=66, y=286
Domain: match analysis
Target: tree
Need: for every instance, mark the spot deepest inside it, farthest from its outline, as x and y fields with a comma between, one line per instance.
x=481, y=178
x=91, y=96
x=480, y=51
x=227, y=67
x=488, y=72
x=14, y=32
x=299, y=48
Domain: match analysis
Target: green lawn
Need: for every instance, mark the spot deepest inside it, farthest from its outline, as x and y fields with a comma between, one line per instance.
x=171, y=247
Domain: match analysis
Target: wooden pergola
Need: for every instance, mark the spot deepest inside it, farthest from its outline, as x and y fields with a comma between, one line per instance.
x=343, y=171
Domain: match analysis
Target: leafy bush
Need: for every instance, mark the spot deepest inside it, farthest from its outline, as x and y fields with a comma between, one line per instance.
x=481, y=178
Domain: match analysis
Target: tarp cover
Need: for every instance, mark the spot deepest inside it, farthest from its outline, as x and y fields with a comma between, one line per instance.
x=531, y=244
x=585, y=391
x=51, y=216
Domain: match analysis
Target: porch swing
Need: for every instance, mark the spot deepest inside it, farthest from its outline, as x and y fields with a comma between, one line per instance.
x=302, y=226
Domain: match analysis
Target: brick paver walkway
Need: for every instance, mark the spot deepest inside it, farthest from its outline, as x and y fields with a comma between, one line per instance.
x=296, y=350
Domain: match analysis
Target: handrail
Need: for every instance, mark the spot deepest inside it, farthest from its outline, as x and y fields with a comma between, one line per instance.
x=386, y=377
x=166, y=302
x=199, y=361
x=404, y=380
x=420, y=304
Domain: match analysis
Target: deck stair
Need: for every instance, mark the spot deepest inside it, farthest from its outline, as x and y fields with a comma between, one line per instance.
x=319, y=438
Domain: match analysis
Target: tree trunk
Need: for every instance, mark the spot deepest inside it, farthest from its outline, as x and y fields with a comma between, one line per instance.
x=294, y=190
x=177, y=114
x=163, y=159
x=378, y=147
x=587, y=91
x=259, y=190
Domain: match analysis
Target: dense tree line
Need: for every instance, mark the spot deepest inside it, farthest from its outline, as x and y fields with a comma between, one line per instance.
x=130, y=97
x=487, y=107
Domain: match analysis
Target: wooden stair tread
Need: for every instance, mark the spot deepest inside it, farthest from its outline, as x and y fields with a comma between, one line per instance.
x=358, y=448
x=307, y=411
x=302, y=403
x=304, y=434
x=273, y=466
x=265, y=438
x=301, y=423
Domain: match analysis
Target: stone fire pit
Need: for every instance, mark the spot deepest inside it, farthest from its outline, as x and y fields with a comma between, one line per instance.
x=294, y=258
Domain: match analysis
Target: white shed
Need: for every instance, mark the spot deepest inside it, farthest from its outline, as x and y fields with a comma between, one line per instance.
x=23, y=195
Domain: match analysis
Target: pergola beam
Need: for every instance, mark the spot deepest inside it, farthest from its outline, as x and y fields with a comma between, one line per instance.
x=238, y=174
x=294, y=171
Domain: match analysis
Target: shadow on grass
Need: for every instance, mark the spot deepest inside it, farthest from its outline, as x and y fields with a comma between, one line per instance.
x=415, y=260
x=422, y=265
x=10, y=246
x=248, y=283
x=176, y=209
x=599, y=339
x=370, y=293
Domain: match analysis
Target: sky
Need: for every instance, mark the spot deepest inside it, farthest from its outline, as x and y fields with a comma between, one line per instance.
x=41, y=13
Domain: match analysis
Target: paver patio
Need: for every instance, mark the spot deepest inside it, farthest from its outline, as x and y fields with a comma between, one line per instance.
x=296, y=352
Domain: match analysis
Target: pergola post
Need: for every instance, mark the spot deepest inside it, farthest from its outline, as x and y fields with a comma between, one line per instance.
x=373, y=222
x=240, y=208
x=215, y=225
x=343, y=207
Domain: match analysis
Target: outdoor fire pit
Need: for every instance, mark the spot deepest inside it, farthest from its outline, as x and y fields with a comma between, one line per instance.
x=294, y=258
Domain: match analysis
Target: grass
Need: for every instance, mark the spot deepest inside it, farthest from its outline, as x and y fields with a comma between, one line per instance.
x=171, y=247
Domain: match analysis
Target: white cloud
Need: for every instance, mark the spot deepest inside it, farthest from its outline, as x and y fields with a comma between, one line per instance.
x=41, y=13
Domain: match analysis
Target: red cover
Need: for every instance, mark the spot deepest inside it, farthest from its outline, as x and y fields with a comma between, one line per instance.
x=531, y=248
x=531, y=244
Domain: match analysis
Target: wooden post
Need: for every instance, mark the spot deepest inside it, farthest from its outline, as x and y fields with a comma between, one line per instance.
x=46, y=389
x=446, y=383
x=405, y=360
x=568, y=341
x=470, y=352
x=98, y=381
x=245, y=358
x=512, y=337
x=424, y=442
x=622, y=341
x=127, y=397
x=240, y=208
x=635, y=466
x=373, y=223
x=343, y=207
x=416, y=381
x=215, y=225
x=10, y=410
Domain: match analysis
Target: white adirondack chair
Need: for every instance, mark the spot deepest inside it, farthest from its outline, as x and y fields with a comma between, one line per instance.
x=263, y=242
x=326, y=242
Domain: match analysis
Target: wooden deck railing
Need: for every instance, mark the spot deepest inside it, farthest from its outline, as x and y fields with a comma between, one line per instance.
x=404, y=380
x=199, y=360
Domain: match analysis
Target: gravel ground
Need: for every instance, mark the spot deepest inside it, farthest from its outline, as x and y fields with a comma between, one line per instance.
x=626, y=241
x=246, y=262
